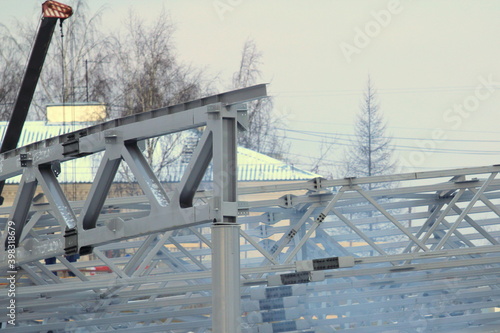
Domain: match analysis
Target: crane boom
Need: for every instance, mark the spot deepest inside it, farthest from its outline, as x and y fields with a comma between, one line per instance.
x=51, y=12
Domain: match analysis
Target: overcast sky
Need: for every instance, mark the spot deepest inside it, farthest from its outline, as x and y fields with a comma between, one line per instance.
x=435, y=64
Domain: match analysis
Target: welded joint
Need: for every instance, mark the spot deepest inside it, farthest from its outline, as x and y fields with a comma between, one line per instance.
x=215, y=204
x=214, y=108
x=112, y=137
x=351, y=181
x=113, y=141
x=217, y=111
x=115, y=225
x=466, y=181
x=29, y=174
x=220, y=209
x=229, y=208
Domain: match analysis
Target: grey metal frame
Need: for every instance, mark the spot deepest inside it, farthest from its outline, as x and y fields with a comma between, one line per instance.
x=421, y=253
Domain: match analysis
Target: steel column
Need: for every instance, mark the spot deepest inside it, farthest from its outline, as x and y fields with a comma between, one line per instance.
x=226, y=313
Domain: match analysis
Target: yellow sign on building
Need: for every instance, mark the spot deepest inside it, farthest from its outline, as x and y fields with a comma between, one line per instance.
x=76, y=112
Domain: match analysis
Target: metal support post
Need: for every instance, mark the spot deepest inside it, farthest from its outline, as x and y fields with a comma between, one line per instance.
x=226, y=313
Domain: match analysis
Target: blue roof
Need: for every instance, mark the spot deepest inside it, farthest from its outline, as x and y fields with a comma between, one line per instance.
x=252, y=166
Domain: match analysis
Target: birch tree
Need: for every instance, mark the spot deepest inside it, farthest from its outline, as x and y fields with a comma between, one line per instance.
x=11, y=72
x=263, y=125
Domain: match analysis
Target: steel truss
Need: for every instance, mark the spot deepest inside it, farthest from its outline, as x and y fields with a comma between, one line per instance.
x=416, y=252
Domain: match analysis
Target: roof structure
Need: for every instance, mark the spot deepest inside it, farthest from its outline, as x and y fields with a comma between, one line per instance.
x=252, y=166
x=422, y=256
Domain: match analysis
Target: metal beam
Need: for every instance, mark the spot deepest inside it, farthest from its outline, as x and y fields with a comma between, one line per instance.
x=172, y=275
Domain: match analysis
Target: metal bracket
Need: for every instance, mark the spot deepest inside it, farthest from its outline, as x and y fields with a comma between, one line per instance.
x=287, y=200
x=71, y=241
x=56, y=168
x=71, y=148
x=72, y=145
x=318, y=186
x=243, y=208
x=242, y=117
x=321, y=218
x=25, y=160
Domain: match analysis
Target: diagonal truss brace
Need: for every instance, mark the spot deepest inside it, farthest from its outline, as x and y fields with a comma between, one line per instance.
x=219, y=114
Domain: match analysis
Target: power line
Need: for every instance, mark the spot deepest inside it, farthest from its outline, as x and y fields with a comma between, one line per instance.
x=380, y=91
x=335, y=163
x=405, y=147
x=322, y=134
x=408, y=148
x=389, y=127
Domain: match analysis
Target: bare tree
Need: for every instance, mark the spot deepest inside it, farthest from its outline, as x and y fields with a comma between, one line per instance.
x=263, y=125
x=74, y=68
x=249, y=71
x=147, y=75
x=322, y=164
x=11, y=69
x=371, y=153
x=77, y=72
x=146, y=68
x=133, y=71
